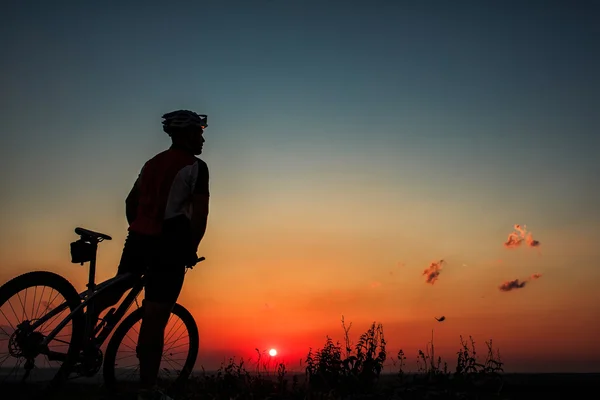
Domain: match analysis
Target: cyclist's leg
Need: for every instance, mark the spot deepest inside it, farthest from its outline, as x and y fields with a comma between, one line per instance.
x=131, y=262
x=110, y=298
x=164, y=283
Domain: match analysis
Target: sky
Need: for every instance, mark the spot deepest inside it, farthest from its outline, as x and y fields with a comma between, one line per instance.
x=351, y=144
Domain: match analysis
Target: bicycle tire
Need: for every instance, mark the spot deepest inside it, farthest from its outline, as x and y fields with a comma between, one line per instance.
x=66, y=289
x=113, y=345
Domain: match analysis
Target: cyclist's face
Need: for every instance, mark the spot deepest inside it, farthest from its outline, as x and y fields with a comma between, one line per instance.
x=196, y=140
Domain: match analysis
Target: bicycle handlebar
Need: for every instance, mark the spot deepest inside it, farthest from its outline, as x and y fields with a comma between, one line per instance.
x=200, y=259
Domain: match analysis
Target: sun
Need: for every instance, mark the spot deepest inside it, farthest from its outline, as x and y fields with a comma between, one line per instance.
x=272, y=352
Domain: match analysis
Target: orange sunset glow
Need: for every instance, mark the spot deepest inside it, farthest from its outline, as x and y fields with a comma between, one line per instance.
x=291, y=298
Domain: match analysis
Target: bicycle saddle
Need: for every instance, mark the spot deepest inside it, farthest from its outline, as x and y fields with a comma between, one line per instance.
x=91, y=234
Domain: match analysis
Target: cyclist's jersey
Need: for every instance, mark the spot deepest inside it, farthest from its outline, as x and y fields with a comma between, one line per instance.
x=166, y=185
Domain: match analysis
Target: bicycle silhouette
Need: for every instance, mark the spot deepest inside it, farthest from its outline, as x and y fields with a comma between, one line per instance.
x=33, y=336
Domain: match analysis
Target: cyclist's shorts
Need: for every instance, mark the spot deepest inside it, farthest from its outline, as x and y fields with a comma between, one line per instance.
x=165, y=275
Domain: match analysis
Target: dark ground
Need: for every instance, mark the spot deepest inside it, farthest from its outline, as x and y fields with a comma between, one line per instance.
x=550, y=386
x=515, y=387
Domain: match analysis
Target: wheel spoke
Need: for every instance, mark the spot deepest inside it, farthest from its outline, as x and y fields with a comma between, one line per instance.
x=22, y=359
x=122, y=364
x=24, y=312
x=37, y=310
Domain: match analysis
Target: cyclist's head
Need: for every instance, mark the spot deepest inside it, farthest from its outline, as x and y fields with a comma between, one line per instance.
x=186, y=129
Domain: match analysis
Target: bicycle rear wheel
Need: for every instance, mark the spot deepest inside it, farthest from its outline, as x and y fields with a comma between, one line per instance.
x=24, y=302
x=121, y=366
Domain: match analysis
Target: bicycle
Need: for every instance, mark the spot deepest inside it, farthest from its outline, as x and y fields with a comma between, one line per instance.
x=83, y=356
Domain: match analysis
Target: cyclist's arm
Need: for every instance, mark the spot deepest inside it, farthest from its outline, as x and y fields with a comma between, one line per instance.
x=200, y=200
x=132, y=200
x=131, y=203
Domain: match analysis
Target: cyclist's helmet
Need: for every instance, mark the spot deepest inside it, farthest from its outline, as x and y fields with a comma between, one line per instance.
x=179, y=120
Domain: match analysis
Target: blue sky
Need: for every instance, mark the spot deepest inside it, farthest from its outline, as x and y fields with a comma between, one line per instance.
x=477, y=115
x=507, y=86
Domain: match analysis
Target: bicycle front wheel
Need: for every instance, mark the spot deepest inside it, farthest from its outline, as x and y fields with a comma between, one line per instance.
x=121, y=365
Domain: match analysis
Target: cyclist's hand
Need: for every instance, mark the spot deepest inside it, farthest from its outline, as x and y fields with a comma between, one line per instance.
x=191, y=259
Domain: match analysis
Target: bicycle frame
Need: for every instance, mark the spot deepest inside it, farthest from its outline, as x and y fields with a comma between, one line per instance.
x=87, y=297
x=87, y=301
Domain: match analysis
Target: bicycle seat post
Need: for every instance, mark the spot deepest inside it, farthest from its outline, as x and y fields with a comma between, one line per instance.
x=92, y=273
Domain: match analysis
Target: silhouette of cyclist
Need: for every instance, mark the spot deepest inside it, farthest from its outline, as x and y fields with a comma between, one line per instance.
x=167, y=212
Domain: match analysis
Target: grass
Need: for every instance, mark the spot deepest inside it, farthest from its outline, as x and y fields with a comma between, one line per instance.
x=355, y=371
x=346, y=371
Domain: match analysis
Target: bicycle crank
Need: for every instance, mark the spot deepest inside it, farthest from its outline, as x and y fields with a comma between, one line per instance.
x=90, y=364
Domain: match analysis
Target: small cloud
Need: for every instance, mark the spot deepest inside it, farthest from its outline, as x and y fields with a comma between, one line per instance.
x=513, y=241
x=432, y=273
x=516, y=284
x=375, y=284
x=520, y=235
x=531, y=242
x=512, y=285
